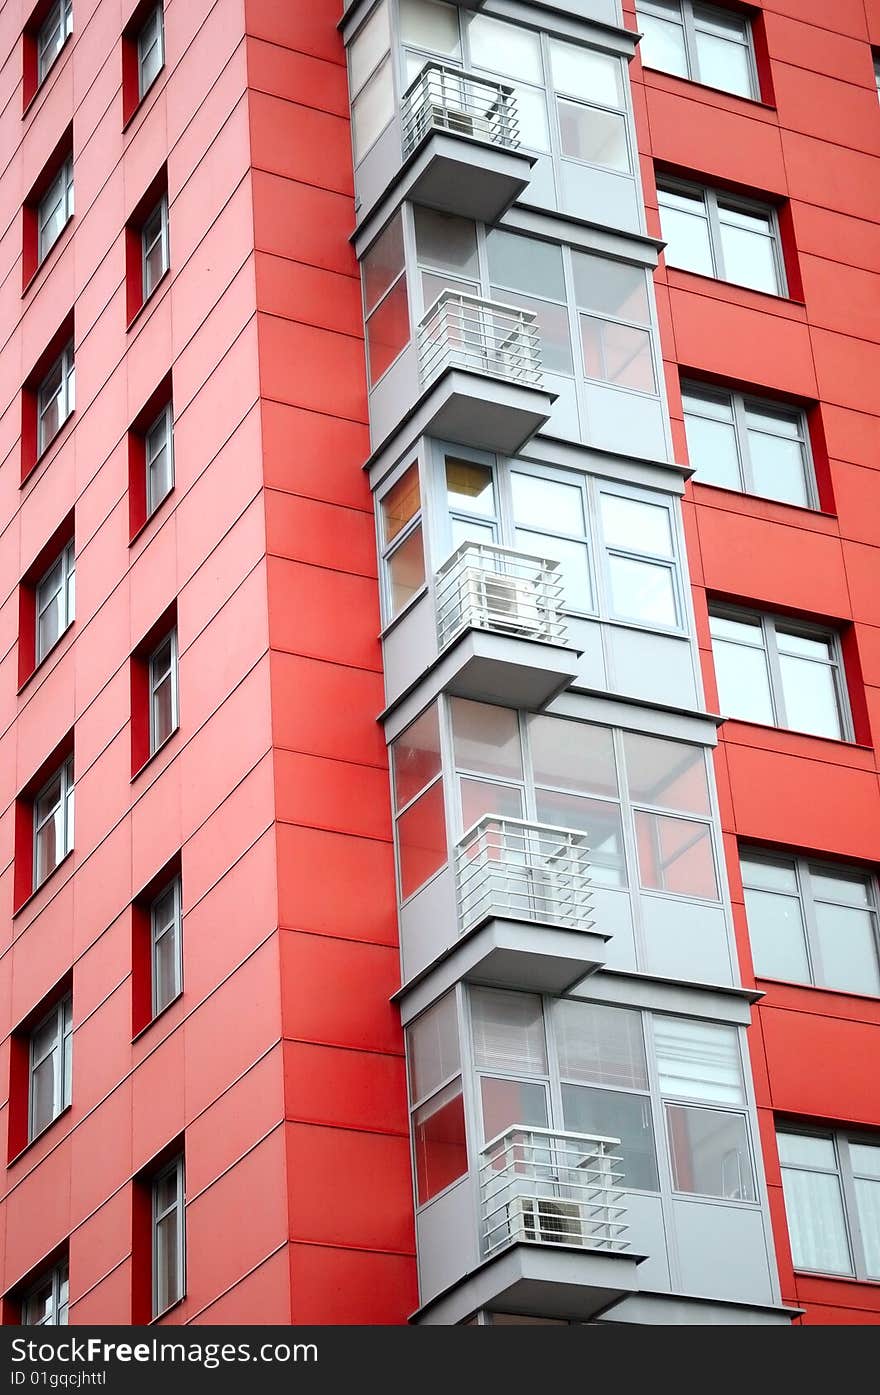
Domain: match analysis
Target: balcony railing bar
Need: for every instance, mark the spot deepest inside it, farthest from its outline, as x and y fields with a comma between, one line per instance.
x=479, y=336
x=526, y=871
x=542, y=1187
x=444, y=98
x=496, y=588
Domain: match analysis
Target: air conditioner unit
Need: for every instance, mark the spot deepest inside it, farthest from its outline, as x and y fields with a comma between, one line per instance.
x=497, y=601
x=546, y=1221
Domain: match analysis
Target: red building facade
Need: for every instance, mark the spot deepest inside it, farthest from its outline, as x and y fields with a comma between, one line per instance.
x=225, y=1136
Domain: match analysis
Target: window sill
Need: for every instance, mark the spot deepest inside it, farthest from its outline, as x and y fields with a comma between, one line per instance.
x=138, y=534
x=17, y=911
x=50, y=653
x=147, y=763
x=32, y=1142
x=843, y=741
x=803, y=510
x=835, y=1278
x=748, y=104
x=165, y=1311
x=149, y=302
x=799, y=986
x=142, y=1031
x=50, y=256
x=402, y=614
x=734, y=286
x=49, y=450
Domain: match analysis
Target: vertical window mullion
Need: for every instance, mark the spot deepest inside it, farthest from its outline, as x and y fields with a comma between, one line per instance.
x=690, y=40
x=811, y=928
x=710, y=200
x=777, y=696
x=743, y=445
x=850, y=1207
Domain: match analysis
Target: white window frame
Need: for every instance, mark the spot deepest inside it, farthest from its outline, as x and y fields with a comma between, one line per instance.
x=52, y=36
x=550, y=95
x=845, y=1174
x=416, y=524
x=803, y=868
x=356, y=93
x=624, y=802
x=165, y=422
x=146, y=42
x=691, y=29
x=66, y=589
x=59, y=1278
x=65, y=803
x=149, y=240
x=177, y=1208
x=713, y=201
x=598, y=550
x=65, y=392
x=156, y=677
x=740, y=403
x=159, y=930
x=768, y=628
x=59, y=193
x=62, y=1043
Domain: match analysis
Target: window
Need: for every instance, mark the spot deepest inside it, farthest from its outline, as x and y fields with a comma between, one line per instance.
x=53, y=33
x=626, y=536
x=51, y=1059
x=164, y=716
x=420, y=817
x=709, y=1148
x=151, y=50
x=53, y=823
x=604, y=1077
x=614, y=316
x=574, y=783
x=55, y=210
x=531, y=275
x=719, y=235
x=585, y=86
x=166, y=940
x=812, y=923
x=159, y=458
x=438, y=1126
x=55, y=602
x=45, y=1303
x=154, y=247
x=55, y=398
x=749, y=444
x=831, y=1183
x=401, y=543
x=169, y=1237
x=779, y=673
x=510, y=1056
x=386, y=305
x=370, y=81
x=700, y=42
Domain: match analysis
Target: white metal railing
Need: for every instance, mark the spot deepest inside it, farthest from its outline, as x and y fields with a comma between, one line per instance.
x=443, y=98
x=527, y=871
x=479, y=336
x=544, y=1188
x=497, y=588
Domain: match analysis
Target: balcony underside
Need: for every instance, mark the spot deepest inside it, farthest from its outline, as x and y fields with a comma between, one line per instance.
x=455, y=174
x=506, y=953
x=537, y=1281
x=468, y=178
x=483, y=412
x=506, y=669
x=673, y=1309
